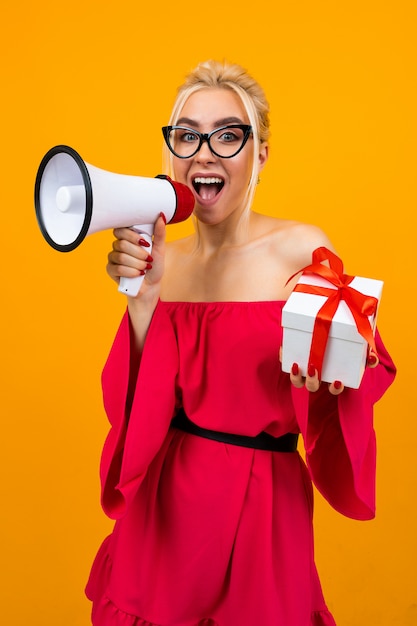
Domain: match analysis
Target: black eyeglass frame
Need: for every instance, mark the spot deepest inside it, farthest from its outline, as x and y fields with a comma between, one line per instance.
x=166, y=130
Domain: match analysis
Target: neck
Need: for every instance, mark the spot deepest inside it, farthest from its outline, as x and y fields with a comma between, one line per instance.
x=234, y=231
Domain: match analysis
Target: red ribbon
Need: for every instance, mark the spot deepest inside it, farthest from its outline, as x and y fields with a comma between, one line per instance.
x=360, y=305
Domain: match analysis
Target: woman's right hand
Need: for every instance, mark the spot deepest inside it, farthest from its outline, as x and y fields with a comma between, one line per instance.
x=130, y=257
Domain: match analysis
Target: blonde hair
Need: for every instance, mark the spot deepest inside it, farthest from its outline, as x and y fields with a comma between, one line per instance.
x=214, y=74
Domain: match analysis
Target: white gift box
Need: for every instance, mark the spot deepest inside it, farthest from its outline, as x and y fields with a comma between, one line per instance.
x=346, y=350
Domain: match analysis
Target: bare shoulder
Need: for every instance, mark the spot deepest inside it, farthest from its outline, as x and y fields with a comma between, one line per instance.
x=292, y=240
x=300, y=240
x=288, y=247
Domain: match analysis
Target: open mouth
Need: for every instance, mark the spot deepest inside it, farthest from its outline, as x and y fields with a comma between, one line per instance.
x=208, y=187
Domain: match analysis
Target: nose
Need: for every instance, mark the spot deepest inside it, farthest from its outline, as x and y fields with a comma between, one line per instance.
x=205, y=154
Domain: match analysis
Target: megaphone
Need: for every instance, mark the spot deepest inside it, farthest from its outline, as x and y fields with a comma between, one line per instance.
x=74, y=199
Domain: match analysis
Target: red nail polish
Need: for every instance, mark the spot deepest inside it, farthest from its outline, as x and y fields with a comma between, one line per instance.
x=149, y=259
x=371, y=359
x=142, y=273
x=337, y=384
x=311, y=370
x=148, y=266
x=163, y=217
x=295, y=369
x=144, y=243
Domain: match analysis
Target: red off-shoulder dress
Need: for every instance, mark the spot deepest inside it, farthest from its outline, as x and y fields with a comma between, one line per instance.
x=208, y=533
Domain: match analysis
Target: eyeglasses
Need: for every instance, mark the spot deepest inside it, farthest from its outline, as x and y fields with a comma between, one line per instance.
x=225, y=142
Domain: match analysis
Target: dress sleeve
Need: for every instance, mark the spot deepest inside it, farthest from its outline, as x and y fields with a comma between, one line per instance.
x=139, y=411
x=339, y=438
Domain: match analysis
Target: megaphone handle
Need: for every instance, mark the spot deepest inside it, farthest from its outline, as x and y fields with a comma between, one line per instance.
x=131, y=286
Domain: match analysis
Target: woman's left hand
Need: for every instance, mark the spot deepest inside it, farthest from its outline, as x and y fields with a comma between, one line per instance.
x=312, y=383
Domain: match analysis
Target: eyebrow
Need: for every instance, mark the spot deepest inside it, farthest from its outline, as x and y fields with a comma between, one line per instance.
x=222, y=122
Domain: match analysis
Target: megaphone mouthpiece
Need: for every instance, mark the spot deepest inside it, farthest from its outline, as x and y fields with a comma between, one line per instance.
x=185, y=201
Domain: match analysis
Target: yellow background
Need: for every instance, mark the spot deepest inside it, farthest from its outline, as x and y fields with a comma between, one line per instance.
x=100, y=76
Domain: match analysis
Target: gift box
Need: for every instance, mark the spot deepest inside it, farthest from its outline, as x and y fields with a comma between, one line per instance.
x=329, y=321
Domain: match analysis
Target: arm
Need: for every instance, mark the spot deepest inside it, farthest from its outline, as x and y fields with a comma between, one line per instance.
x=339, y=438
x=130, y=258
x=139, y=408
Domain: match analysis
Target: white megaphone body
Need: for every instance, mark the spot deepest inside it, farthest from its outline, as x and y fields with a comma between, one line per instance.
x=74, y=199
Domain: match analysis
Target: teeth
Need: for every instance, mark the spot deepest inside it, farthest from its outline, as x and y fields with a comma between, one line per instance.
x=208, y=181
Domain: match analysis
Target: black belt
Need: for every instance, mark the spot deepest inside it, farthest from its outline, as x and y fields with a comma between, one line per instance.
x=263, y=441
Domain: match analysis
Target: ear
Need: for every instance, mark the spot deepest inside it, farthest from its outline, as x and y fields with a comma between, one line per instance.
x=263, y=155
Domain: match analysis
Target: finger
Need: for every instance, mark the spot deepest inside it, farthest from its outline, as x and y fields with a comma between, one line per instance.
x=131, y=262
x=296, y=377
x=117, y=270
x=159, y=231
x=372, y=360
x=127, y=234
x=336, y=388
x=137, y=249
x=312, y=379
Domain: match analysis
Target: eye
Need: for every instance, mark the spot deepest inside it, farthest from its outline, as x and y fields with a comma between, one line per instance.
x=230, y=135
x=186, y=136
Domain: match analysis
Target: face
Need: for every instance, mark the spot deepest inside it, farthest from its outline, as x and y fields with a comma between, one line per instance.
x=219, y=185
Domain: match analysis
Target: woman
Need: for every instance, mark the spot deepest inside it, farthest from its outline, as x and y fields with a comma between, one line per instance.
x=211, y=528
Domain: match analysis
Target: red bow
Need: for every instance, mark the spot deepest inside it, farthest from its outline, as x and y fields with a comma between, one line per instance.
x=360, y=305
